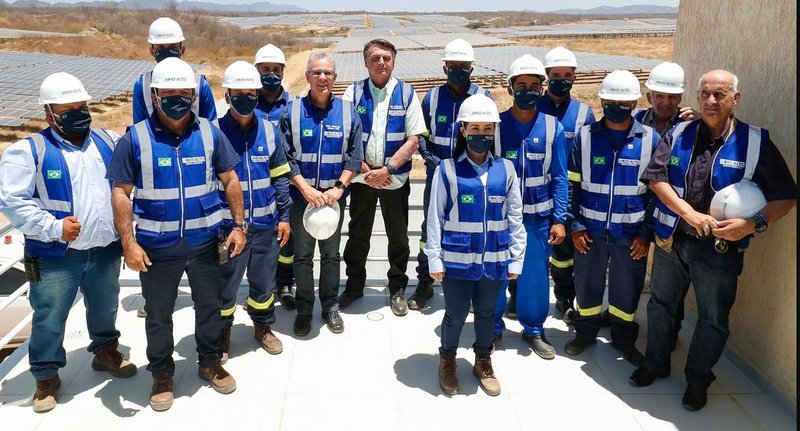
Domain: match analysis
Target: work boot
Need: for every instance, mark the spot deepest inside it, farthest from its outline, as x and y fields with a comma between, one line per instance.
x=540, y=345
x=268, y=340
x=287, y=297
x=46, y=396
x=302, y=325
x=226, y=345
x=695, y=398
x=577, y=345
x=334, y=321
x=644, y=376
x=511, y=307
x=221, y=381
x=630, y=353
x=485, y=374
x=566, y=309
x=112, y=361
x=447, y=375
x=161, y=395
x=421, y=295
x=399, y=304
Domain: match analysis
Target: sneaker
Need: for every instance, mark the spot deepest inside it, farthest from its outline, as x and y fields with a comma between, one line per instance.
x=287, y=297
x=576, y=346
x=399, y=304
x=346, y=298
x=112, y=361
x=421, y=295
x=695, y=398
x=221, y=381
x=485, y=374
x=540, y=345
x=447, y=375
x=226, y=345
x=268, y=340
x=630, y=353
x=161, y=395
x=302, y=325
x=334, y=321
x=140, y=312
x=46, y=396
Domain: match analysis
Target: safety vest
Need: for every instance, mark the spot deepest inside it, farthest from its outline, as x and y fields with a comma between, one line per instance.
x=573, y=118
x=253, y=170
x=273, y=113
x=443, y=109
x=639, y=115
x=52, y=190
x=612, y=197
x=320, y=145
x=395, y=123
x=734, y=161
x=475, y=236
x=531, y=156
x=176, y=193
x=144, y=83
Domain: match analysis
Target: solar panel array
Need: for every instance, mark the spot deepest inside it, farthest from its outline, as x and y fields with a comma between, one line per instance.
x=588, y=28
x=15, y=33
x=21, y=74
x=420, y=41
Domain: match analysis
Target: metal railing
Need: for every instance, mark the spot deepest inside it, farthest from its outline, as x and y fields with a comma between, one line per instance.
x=22, y=290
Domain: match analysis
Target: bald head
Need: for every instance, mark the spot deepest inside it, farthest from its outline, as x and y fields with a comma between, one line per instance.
x=719, y=76
x=717, y=94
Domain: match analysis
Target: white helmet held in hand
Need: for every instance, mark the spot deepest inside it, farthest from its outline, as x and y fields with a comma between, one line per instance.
x=321, y=222
x=459, y=50
x=739, y=200
x=165, y=31
x=60, y=88
x=560, y=57
x=478, y=108
x=666, y=78
x=620, y=85
x=270, y=54
x=173, y=73
x=241, y=75
x=527, y=65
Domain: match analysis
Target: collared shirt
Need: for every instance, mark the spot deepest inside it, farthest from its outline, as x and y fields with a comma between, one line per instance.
x=649, y=120
x=91, y=193
x=272, y=111
x=376, y=145
x=435, y=219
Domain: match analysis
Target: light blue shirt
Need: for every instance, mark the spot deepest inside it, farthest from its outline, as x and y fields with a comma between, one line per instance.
x=91, y=194
x=436, y=213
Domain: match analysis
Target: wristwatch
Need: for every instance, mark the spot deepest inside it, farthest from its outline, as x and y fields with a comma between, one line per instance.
x=390, y=167
x=761, y=222
x=242, y=226
x=339, y=185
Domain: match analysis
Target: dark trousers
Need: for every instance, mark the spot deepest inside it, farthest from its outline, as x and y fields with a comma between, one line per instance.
x=714, y=277
x=458, y=294
x=561, y=268
x=285, y=272
x=160, y=289
x=394, y=207
x=259, y=258
x=626, y=280
x=423, y=273
x=330, y=259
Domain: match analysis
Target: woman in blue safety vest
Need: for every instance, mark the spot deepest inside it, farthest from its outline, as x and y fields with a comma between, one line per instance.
x=476, y=242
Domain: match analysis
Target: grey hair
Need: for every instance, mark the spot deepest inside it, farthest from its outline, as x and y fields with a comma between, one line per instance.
x=734, y=85
x=319, y=55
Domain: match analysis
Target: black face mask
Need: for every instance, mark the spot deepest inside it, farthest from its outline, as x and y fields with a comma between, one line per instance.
x=271, y=81
x=175, y=107
x=164, y=53
x=244, y=104
x=480, y=143
x=559, y=87
x=75, y=122
x=458, y=77
x=526, y=99
x=616, y=114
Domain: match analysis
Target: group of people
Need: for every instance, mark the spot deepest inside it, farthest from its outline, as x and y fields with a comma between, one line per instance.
x=508, y=198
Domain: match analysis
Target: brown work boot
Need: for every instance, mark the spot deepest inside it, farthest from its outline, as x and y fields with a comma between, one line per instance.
x=161, y=395
x=111, y=360
x=226, y=345
x=46, y=397
x=447, y=375
x=221, y=381
x=268, y=340
x=485, y=374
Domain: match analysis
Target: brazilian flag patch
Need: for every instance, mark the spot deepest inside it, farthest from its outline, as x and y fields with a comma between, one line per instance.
x=599, y=160
x=441, y=118
x=511, y=154
x=164, y=161
x=361, y=110
x=674, y=161
x=307, y=133
x=467, y=199
x=53, y=175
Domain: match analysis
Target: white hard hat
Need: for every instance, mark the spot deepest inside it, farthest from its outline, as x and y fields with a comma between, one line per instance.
x=458, y=50
x=560, y=57
x=270, y=54
x=739, y=200
x=241, y=75
x=173, y=72
x=62, y=87
x=666, y=78
x=478, y=108
x=165, y=31
x=620, y=85
x=527, y=65
x=321, y=222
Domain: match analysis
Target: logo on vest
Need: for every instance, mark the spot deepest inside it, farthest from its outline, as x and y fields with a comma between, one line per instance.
x=53, y=175
x=361, y=109
x=674, y=160
x=467, y=199
x=397, y=112
x=275, y=122
x=257, y=159
x=497, y=199
x=260, y=148
x=629, y=162
x=441, y=118
x=333, y=135
x=598, y=160
x=535, y=140
x=535, y=156
x=188, y=161
x=728, y=163
x=511, y=154
x=307, y=133
x=164, y=162
x=569, y=135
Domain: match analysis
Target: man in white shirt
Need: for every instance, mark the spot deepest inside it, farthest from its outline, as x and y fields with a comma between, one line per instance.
x=53, y=190
x=391, y=119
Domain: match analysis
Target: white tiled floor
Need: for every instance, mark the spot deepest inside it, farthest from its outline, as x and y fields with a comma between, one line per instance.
x=379, y=374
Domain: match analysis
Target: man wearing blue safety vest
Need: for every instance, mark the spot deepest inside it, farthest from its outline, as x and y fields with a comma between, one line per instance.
x=323, y=140
x=701, y=158
x=560, y=64
x=173, y=159
x=53, y=190
x=264, y=177
x=391, y=119
x=609, y=208
x=439, y=109
x=166, y=40
x=535, y=144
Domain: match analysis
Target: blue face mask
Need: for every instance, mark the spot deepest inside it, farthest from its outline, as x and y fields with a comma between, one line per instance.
x=244, y=104
x=163, y=53
x=75, y=122
x=526, y=99
x=175, y=107
x=271, y=81
x=458, y=77
x=616, y=114
x=559, y=87
x=480, y=143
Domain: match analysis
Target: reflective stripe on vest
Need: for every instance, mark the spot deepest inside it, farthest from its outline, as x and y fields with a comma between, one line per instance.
x=148, y=102
x=320, y=148
x=442, y=107
x=395, y=136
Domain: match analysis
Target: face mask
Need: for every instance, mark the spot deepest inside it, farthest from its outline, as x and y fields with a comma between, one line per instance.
x=458, y=77
x=560, y=87
x=244, y=104
x=480, y=143
x=175, y=107
x=163, y=53
x=75, y=122
x=616, y=113
x=271, y=81
x=526, y=99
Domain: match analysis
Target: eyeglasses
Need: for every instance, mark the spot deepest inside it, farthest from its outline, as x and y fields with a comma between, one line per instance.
x=319, y=73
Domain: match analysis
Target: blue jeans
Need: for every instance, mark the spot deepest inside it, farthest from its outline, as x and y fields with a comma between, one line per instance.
x=458, y=294
x=96, y=273
x=714, y=277
x=533, y=285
